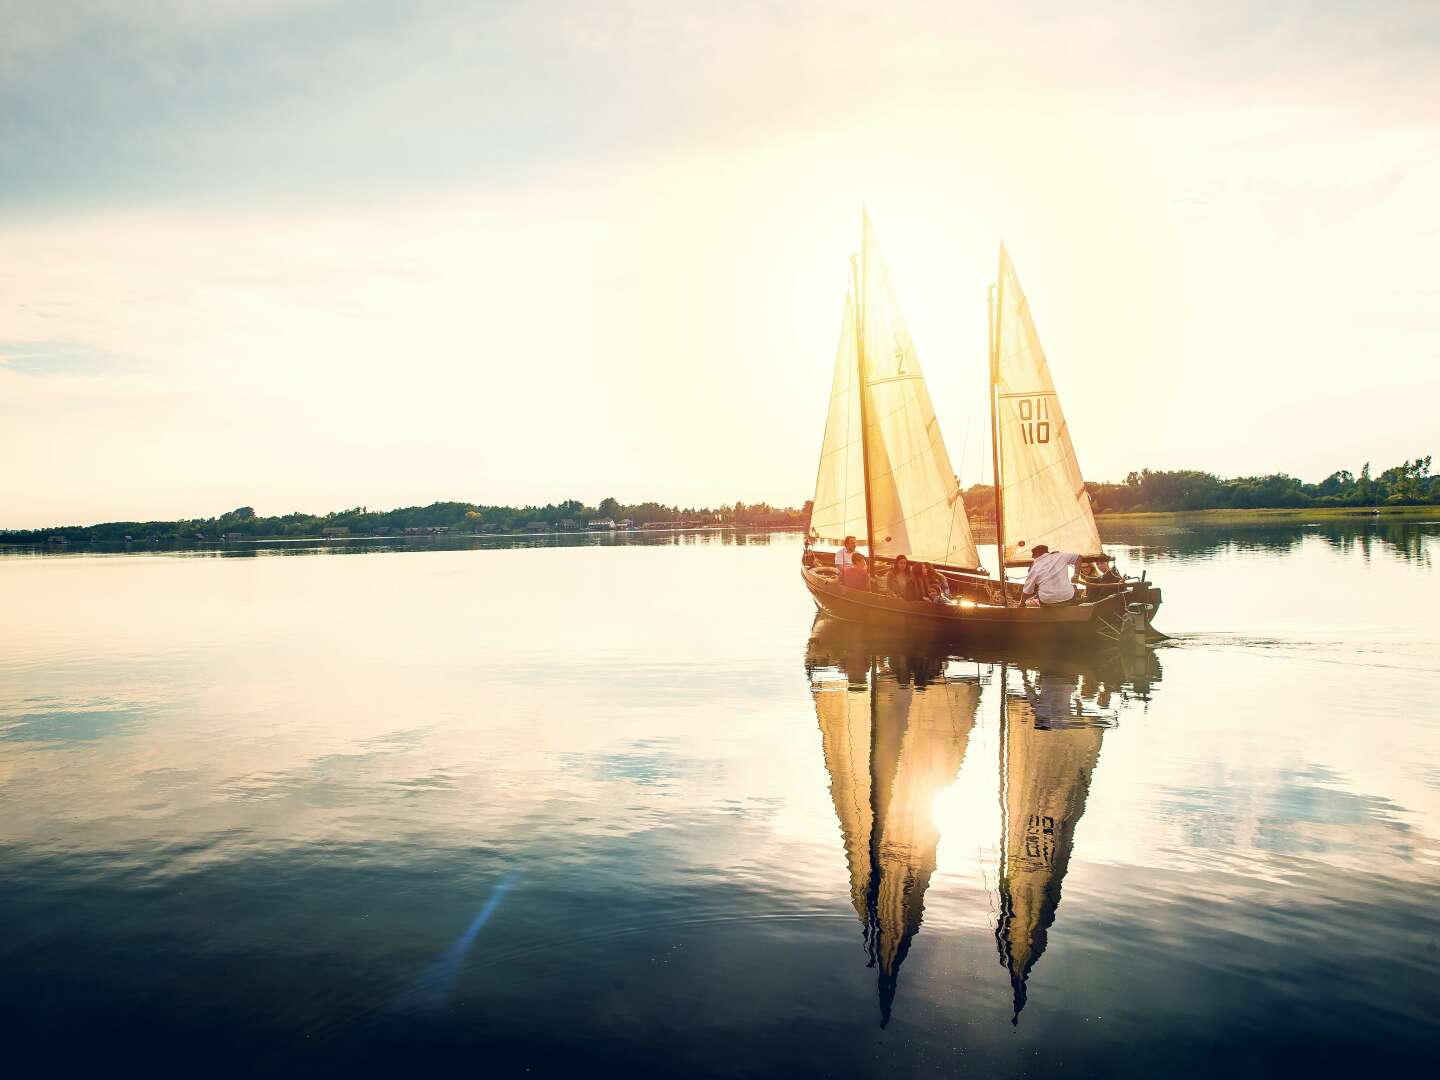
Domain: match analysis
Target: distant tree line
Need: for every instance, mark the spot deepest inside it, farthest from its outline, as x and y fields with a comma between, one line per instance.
x=446, y=517
x=1406, y=484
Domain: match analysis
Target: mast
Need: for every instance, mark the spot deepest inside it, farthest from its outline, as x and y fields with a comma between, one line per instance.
x=858, y=273
x=994, y=327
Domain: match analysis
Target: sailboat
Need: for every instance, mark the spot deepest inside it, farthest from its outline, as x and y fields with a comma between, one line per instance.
x=885, y=478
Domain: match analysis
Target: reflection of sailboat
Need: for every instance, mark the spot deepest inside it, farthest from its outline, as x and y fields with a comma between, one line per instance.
x=1048, y=752
x=890, y=748
x=893, y=740
x=885, y=479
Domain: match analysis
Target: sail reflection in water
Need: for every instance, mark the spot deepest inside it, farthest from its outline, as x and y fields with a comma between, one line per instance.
x=1048, y=752
x=894, y=733
x=894, y=728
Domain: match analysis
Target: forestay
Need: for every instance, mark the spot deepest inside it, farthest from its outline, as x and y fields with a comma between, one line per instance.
x=914, y=494
x=1045, y=500
x=839, y=507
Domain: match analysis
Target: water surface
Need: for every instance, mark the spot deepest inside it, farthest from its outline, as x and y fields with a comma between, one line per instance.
x=616, y=807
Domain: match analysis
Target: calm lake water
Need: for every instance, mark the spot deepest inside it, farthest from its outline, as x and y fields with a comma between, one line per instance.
x=626, y=808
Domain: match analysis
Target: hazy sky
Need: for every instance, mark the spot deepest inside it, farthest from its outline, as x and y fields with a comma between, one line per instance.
x=300, y=254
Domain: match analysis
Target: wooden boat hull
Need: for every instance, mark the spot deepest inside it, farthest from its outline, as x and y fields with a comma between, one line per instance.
x=1082, y=625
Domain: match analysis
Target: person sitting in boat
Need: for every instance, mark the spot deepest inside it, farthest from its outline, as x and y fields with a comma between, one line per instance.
x=901, y=581
x=856, y=576
x=1049, y=578
x=1099, y=571
x=844, y=556
x=1048, y=581
x=933, y=586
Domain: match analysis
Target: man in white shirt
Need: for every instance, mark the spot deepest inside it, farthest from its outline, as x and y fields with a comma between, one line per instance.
x=845, y=557
x=1049, y=577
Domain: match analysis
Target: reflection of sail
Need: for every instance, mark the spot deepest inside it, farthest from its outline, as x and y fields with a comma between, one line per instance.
x=890, y=749
x=845, y=737
x=1048, y=756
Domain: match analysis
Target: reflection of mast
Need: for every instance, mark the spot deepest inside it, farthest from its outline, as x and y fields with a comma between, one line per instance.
x=890, y=749
x=1046, y=761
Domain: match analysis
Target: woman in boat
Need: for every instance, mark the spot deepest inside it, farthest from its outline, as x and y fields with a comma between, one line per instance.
x=901, y=581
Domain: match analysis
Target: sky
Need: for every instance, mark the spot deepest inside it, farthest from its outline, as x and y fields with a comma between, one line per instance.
x=304, y=254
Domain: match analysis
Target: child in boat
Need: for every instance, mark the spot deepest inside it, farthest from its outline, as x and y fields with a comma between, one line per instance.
x=933, y=586
x=856, y=575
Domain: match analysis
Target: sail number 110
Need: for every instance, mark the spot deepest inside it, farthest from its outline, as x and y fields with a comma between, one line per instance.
x=1035, y=420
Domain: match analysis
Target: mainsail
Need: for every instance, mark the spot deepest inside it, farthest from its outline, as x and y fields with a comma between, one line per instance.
x=890, y=748
x=1044, y=497
x=914, y=493
x=1048, y=758
x=839, y=507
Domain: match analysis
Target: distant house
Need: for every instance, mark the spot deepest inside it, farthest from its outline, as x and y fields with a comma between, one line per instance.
x=228, y=536
x=624, y=523
x=329, y=534
x=602, y=523
x=492, y=528
x=568, y=525
x=538, y=527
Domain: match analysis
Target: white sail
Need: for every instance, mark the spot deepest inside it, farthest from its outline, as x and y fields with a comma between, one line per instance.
x=914, y=494
x=1045, y=501
x=839, y=507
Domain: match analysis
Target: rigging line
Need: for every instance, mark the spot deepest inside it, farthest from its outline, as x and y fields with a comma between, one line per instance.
x=959, y=491
x=965, y=446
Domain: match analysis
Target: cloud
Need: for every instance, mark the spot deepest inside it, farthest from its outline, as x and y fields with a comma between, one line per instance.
x=297, y=101
x=60, y=358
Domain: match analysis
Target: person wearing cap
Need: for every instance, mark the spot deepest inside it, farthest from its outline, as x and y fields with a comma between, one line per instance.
x=1049, y=577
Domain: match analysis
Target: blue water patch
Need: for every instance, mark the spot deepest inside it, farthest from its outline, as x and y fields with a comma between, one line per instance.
x=69, y=725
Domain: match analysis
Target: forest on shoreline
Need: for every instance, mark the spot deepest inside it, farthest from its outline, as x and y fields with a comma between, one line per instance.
x=1407, y=484
x=1158, y=491
x=440, y=518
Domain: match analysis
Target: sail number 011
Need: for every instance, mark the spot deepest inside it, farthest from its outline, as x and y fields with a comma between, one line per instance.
x=1035, y=420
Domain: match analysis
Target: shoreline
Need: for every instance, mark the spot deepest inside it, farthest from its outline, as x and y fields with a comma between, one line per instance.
x=1289, y=513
